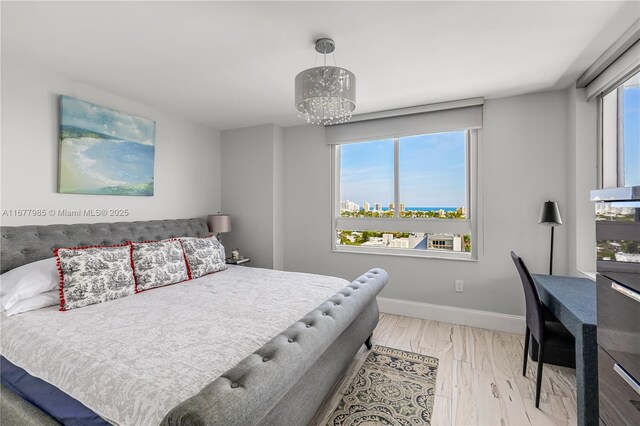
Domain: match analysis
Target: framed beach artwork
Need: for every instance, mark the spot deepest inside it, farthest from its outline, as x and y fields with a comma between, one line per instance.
x=103, y=151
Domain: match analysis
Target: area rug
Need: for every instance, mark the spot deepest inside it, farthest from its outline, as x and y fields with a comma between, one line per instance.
x=392, y=387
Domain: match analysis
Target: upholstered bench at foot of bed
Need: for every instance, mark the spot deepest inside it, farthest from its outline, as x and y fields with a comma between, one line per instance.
x=245, y=394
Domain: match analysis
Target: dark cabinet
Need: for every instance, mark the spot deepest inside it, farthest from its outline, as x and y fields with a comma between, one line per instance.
x=619, y=322
x=618, y=295
x=619, y=396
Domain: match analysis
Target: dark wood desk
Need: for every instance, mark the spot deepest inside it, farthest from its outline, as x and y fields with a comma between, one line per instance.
x=573, y=301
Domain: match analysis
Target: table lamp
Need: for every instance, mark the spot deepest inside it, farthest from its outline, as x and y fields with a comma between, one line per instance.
x=550, y=216
x=219, y=223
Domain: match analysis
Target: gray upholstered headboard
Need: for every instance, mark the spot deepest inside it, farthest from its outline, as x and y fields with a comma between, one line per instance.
x=23, y=244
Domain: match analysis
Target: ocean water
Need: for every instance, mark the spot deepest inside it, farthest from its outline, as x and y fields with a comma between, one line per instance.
x=92, y=163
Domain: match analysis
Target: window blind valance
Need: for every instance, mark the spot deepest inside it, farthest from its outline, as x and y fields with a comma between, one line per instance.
x=623, y=67
x=616, y=64
x=442, y=118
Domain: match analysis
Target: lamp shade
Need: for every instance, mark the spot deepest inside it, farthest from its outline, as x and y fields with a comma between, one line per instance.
x=550, y=214
x=219, y=223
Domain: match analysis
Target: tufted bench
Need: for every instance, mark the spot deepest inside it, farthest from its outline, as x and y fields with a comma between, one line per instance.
x=310, y=354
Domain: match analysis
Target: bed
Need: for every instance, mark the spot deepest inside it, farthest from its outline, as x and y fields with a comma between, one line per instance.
x=238, y=347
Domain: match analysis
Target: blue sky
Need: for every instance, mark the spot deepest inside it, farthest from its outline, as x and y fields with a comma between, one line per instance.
x=432, y=171
x=632, y=135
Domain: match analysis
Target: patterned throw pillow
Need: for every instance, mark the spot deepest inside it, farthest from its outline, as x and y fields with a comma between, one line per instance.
x=158, y=263
x=205, y=255
x=91, y=275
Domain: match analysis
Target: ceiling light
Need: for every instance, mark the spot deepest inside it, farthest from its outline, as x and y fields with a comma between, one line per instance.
x=326, y=94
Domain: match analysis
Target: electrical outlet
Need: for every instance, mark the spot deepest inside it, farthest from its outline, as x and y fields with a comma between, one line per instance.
x=459, y=286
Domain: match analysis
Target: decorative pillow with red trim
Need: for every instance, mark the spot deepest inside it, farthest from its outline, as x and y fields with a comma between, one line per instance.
x=158, y=263
x=90, y=275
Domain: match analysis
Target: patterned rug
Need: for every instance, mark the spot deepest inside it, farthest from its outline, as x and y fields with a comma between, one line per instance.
x=392, y=387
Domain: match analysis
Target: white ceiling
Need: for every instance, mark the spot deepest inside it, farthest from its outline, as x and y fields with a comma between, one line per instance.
x=228, y=65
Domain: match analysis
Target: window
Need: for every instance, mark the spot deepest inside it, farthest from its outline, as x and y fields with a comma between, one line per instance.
x=408, y=195
x=620, y=125
x=366, y=179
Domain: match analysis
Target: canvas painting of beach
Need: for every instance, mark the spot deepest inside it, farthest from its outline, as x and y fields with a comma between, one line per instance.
x=103, y=151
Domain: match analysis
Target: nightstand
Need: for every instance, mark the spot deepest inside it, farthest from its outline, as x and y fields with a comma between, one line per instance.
x=242, y=261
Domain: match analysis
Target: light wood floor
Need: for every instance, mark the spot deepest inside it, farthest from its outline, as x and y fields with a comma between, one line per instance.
x=480, y=378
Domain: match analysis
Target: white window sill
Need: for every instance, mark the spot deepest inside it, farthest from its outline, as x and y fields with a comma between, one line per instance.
x=589, y=274
x=465, y=257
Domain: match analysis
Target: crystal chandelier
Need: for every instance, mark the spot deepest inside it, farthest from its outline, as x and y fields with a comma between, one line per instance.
x=326, y=94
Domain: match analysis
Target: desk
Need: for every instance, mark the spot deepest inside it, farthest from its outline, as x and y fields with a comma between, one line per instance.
x=573, y=301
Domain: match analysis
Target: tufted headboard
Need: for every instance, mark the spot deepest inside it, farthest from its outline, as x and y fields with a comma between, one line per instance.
x=24, y=244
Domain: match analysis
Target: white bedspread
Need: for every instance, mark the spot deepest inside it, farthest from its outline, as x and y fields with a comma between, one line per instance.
x=132, y=360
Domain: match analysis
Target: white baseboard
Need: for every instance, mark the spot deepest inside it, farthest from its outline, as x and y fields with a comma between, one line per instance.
x=450, y=314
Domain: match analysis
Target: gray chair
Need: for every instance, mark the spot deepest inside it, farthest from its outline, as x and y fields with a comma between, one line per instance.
x=551, y=336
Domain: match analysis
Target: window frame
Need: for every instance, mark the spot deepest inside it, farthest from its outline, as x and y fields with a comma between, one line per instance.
x=611, y=136
x=397, y=224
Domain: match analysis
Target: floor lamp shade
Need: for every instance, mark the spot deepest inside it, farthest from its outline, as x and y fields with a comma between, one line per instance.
x=550, y=214
x=219, y=223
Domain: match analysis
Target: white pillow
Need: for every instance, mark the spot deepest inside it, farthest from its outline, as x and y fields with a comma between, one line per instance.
x=27, y=281
x=42, y=300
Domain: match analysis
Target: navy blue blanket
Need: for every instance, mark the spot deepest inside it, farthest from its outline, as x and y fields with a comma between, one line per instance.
x=47, y=397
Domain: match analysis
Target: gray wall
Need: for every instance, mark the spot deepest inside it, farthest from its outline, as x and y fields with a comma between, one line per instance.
x=251, y=176
x=278, y=198
x=187, y=155
x=522, y=164
x=582, y=177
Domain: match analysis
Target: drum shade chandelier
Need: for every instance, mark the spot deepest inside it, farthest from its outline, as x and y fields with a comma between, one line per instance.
x=326, y=94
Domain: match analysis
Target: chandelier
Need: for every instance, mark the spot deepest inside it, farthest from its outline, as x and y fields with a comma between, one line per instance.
x=326, y=94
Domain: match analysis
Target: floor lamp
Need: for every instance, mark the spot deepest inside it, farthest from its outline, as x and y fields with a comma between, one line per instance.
x=550, y=216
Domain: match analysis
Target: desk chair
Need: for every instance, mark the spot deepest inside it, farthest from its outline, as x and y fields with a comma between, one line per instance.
x=550, y=335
